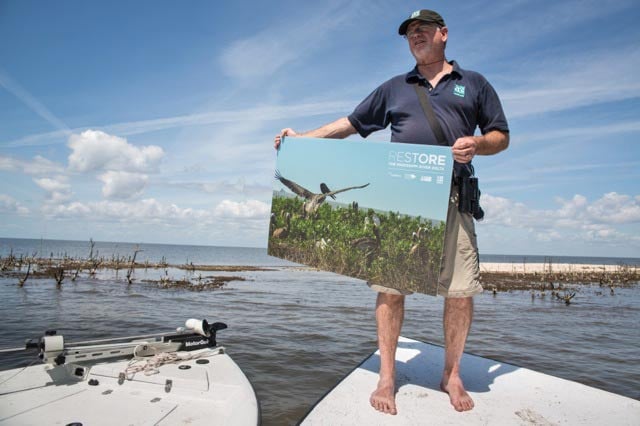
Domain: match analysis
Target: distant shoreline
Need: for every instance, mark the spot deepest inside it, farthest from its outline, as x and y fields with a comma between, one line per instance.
x=526, y=268
x=555, y=276
x=183, y=253
x=66, y=260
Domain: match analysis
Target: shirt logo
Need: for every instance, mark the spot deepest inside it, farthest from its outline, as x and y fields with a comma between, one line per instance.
x=459, y=90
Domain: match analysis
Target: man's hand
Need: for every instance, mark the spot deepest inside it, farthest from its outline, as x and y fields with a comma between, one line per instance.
x=284, y=132
x=339, y=129
x=464, y=149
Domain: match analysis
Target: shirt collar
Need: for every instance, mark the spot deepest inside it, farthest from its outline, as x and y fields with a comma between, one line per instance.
x=414, y=75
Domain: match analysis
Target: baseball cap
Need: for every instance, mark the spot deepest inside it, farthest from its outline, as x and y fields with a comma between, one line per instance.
x=428, y=16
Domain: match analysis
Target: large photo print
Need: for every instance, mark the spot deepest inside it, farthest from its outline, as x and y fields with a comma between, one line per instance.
x=373, y=211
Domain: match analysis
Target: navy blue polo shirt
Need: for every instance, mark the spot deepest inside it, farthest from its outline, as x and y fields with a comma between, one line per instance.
x=462, y=101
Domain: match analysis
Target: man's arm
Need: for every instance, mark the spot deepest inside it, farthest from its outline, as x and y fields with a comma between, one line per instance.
x=492, y=143
x=339, y=129
x=465, y=148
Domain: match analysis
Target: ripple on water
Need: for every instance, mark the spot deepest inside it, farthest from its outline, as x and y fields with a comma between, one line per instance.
x=295, y=333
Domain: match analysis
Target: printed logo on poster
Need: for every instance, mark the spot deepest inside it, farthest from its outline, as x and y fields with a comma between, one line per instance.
x=417, y=160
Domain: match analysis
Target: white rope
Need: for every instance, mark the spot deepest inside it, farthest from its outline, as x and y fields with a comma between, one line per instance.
x=151, y=365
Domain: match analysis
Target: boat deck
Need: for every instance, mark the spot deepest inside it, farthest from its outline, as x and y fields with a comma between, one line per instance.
x=211, y=390
x=504, y=394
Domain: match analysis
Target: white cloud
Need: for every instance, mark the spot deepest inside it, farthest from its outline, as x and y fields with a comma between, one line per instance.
x=229, y=223
x=149, y=210
x=41, y=165
x=74, y=210
x=123, y=185
x=247, y=209
x=615, y=208
x=10, y=205
x=610, y=209
x=143, y=210
x=94, y=150
x=8, y=164
x=57, y=188
x=233, y=187
x=53, y=184
x=576, y=219
x=38, y=166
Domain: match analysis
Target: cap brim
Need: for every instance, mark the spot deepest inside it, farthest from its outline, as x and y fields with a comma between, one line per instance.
x=403, y=27
x=427, y=20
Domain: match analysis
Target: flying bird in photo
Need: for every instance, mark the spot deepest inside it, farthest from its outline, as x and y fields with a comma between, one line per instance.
x=313, y=200
x=325, y=190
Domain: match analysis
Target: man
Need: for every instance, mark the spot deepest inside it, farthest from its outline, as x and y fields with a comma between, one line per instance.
x=462, y=100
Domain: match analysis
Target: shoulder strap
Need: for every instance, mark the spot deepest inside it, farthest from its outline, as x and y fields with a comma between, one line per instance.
x=431, y=115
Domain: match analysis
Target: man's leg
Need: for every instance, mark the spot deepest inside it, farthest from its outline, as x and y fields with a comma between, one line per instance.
x=458, y=314
x=389, y=316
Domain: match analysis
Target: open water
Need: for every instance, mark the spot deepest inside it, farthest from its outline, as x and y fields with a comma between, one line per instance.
x=295, y=332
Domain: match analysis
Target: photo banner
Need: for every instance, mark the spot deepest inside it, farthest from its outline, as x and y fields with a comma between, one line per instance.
x=375, y=211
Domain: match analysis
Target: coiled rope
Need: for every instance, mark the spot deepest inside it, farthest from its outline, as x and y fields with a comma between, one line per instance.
x=151, y=365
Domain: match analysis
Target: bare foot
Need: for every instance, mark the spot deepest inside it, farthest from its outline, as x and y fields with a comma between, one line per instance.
x=458, y=396
x=383, y=398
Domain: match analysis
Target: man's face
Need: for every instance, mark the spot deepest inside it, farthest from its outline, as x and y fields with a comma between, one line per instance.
x=426, y=41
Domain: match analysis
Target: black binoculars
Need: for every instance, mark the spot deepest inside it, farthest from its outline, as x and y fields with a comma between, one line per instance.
x=469, y=191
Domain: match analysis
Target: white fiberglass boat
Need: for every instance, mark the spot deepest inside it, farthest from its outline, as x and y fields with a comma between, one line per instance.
x=504, y=394
x=183, y=377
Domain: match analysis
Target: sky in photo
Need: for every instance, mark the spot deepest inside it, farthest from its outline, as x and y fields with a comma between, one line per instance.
x=153, y=121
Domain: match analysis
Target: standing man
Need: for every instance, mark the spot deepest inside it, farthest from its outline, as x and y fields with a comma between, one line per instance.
x=463, y=101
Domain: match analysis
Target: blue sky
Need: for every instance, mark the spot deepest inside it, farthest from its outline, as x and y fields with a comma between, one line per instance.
x=153, y=121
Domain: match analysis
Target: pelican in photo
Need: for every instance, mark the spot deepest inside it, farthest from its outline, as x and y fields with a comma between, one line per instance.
x=313, y=200
x=325, y=190
x=370, y=247
x=283, y=232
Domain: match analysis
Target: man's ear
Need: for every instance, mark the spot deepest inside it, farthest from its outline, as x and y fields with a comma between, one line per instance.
x=445, y=33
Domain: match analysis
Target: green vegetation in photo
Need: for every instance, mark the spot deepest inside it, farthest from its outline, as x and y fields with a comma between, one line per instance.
x=384, y=248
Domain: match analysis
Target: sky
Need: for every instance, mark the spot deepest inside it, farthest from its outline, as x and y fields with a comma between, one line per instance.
x=153, y=121
x=405, y=178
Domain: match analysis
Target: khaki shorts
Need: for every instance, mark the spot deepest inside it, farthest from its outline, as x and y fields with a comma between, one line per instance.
x=460, y=270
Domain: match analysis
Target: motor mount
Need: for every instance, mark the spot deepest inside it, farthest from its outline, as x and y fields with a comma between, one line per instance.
x=203, y=336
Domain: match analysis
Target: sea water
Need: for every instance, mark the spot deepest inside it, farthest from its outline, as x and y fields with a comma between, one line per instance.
x=295, y=331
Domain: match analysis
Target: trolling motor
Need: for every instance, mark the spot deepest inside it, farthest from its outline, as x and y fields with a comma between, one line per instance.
x=50, y=345
x=203, y=335
x=197, y=334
